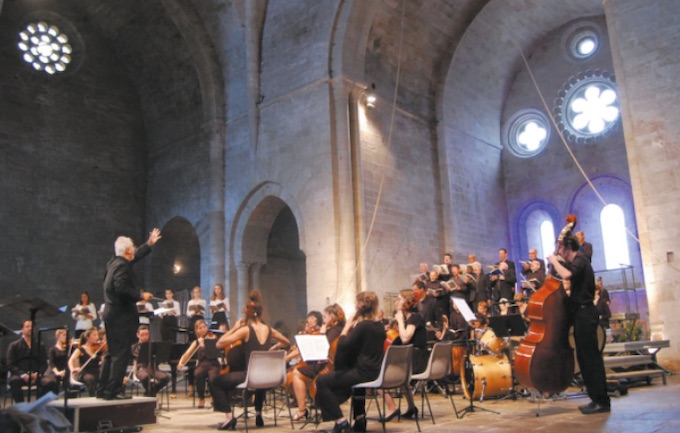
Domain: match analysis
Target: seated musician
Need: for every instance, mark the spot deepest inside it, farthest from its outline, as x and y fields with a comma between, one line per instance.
x=85, y=361
x=57, y=357
x=302, y=377
x=358, y=359
x=503, y=307
x=411, y=331
x=24, y=363
x=207, y=368
x=144, y=372
x=255, y=335
x=312, y=326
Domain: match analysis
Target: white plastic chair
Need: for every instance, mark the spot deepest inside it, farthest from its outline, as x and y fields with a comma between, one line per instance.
x=438, y=367
x=395, y=372
x=266, y=371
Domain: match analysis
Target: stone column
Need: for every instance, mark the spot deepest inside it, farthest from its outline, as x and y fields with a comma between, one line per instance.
x=645, y=46
x=243, y=274
x=255, y=270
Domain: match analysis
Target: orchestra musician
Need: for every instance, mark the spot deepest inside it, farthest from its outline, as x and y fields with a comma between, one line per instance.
x=84, y=314
x=522, y=307
x=302, y=377
x=57, y=357
x=358, y=359
x=206, y=367
x=24, y=362
x=602, y=302
x=411, y=331
x=254, y=335
x=582, y=312
x=145, y=372
x=219, y=307
x=312, y=327
x=195, y=310
x=85, y=361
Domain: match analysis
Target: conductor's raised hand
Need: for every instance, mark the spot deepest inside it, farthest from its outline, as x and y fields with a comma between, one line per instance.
x=154, y=236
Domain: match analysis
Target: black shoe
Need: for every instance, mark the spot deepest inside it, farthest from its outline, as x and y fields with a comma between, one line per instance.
x=409, y=414
x=391, y=416
x=259, y=422
x=229, y=425
x=594, y=408
x=343, y=427
x=360, y=425
x=299, y=416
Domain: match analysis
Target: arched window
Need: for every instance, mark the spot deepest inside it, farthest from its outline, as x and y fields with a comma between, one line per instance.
x=547, y=238
x=540, y=232
x=614, y=237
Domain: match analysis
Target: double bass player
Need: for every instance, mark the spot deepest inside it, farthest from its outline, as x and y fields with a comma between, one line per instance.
x=577, y=269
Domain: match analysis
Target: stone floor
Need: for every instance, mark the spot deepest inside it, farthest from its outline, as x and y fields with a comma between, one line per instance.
x=654, y=408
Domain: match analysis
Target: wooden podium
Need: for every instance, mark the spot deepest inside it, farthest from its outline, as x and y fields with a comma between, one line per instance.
x=85, y=414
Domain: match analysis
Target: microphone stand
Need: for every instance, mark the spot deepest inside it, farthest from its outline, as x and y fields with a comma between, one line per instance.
x=470, y=382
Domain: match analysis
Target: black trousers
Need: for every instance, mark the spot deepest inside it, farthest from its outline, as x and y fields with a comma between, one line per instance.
x=120, y=337
x=47, y=383
x=335, y=388
x=223, y=385
x=588, y=353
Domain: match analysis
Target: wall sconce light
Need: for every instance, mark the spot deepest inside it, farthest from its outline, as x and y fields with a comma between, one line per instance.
x=370, y=101
x=177, y=268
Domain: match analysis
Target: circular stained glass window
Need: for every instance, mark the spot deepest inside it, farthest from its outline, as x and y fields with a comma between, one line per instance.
x=45, y=47
x=527, y=133
x=588, y=107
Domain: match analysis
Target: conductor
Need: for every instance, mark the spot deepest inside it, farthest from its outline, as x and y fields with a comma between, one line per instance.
x=120, y=311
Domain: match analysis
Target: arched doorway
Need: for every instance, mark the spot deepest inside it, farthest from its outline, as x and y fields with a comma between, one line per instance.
x=274, y=263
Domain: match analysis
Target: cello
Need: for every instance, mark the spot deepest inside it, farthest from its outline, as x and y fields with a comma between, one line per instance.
x=545, y=360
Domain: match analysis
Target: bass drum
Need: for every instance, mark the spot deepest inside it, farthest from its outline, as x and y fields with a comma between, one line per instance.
x=601, y=341
x=488, y=372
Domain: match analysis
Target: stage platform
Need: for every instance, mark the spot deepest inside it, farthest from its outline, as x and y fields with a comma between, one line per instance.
x=87, y=413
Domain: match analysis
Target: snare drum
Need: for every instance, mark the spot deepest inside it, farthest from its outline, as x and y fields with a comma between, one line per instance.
x=489, y=373
x=492, y=344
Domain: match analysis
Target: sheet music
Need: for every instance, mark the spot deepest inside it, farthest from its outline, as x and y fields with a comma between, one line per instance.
x=312, y=347
x=462, y=305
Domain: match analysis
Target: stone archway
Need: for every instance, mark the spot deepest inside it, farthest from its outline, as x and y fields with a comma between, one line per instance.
x=272, y=261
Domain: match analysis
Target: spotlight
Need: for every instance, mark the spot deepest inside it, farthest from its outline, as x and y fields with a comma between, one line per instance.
x=370, y=101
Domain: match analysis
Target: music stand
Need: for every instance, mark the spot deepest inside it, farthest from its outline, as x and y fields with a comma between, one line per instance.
x=467, y=366
x=35, y=308
x=512, y=325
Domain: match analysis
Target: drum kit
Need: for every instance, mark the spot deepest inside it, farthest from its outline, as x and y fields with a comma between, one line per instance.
x=490, y=369
x=490, y=365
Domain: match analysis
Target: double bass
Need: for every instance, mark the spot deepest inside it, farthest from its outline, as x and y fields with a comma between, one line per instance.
x=545, y=359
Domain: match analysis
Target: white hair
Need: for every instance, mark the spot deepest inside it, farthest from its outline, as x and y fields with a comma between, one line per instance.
x=122, y=244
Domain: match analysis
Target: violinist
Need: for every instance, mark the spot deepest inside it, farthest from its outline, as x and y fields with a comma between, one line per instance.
x=207, y=367
x=582, y=312
x=84, y=314
x=145, y=372
x=358, y=359
x=57, y=357
x=301, y=378
x=411, y=331
x=312, y=327
x=85, y=361
x=255, y=335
